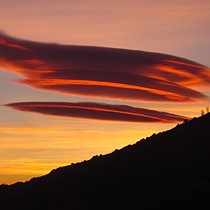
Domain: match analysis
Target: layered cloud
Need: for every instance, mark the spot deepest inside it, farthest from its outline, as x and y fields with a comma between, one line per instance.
x=97, y=111
x=103, y=72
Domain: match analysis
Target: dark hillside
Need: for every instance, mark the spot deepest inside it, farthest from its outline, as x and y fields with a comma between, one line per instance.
x=170, y=170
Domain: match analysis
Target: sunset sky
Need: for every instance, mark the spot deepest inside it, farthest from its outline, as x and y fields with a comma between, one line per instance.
x=80, y=78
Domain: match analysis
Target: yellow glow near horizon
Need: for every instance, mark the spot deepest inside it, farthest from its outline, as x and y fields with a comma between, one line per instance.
x=35, y=151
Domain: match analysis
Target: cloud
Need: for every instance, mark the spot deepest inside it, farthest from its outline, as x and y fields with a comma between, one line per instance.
x=103, y=72
x=99, y=111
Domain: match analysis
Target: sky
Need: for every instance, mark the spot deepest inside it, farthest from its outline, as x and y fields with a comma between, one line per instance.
x=81, y=78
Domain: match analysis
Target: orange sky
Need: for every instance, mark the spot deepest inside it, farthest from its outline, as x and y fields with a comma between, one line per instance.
x=32, y=144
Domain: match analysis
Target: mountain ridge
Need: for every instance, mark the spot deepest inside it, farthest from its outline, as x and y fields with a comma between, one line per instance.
x=169, y=170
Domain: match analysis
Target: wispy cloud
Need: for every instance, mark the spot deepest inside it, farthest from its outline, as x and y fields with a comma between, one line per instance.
x=97, y=111
x=103, y=72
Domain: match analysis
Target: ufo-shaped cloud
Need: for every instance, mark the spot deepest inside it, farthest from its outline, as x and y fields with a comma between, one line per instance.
x=103, y=72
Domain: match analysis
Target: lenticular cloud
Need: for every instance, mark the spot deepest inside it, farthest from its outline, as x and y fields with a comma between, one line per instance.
x=97, y=111
x=103, y=72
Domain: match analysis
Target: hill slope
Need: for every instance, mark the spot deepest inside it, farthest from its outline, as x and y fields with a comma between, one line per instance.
x=170, y=170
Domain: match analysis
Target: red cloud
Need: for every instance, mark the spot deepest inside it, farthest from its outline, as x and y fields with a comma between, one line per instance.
x=98, y=111
x=103, y=72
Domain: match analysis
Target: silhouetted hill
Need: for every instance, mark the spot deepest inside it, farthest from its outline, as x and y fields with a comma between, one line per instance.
x=170, y=170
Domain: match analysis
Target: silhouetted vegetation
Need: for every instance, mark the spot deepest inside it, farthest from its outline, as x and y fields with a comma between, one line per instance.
x=169, y=170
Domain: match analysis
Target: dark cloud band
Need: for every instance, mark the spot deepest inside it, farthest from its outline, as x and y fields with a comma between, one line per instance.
x=98, y=111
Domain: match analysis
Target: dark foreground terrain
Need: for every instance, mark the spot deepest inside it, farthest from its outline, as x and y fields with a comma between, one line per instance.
x=170, y=170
